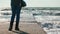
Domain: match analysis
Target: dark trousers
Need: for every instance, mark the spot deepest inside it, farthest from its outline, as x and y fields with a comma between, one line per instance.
x=15, y=12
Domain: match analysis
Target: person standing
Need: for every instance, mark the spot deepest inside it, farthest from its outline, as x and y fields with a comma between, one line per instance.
x=16, y=6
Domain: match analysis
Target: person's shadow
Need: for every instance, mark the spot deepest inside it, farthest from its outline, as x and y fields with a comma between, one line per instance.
x=20, y=32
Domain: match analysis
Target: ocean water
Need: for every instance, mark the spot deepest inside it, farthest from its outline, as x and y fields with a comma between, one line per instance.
x=45, y=15
x=25, y=16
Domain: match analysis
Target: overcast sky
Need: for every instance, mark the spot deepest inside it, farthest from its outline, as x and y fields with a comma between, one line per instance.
x=34, y=3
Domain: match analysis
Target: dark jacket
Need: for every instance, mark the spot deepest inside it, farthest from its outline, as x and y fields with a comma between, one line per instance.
x=16, y=2
x=19, y=3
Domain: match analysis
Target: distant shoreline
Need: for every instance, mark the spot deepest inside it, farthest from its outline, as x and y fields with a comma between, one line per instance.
x=34, y=8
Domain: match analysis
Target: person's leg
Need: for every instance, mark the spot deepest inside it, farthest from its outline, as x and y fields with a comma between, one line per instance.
x=12, y=18
x=17, y=18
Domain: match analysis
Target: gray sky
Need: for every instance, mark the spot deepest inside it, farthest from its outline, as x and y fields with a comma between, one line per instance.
x=34, y=3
